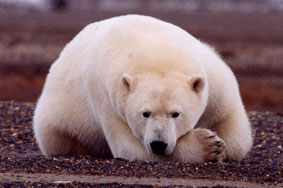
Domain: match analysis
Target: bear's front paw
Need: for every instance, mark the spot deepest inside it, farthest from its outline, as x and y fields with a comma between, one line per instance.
x=213, y=146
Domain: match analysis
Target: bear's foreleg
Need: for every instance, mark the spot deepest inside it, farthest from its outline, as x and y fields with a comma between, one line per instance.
x=122, y=142
x=235, y=129
x=199, y=145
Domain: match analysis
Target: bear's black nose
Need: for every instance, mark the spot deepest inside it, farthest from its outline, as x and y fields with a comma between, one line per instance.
x=158, y=147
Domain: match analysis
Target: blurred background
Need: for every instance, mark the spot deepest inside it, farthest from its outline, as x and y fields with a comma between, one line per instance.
x=247, y=33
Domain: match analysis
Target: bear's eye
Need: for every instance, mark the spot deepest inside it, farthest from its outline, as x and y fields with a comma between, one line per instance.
x=175, y=114
x=146, y=114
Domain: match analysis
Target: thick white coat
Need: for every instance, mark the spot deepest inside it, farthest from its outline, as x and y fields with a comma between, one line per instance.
x=116, y=69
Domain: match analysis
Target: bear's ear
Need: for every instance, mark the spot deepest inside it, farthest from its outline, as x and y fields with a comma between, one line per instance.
x=196, y=83
x=127, y=82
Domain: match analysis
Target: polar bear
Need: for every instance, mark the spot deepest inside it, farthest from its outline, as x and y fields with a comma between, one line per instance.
x=139, y=88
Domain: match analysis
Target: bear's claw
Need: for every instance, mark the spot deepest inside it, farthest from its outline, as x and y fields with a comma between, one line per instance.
x=213, y=146
x=216, y=151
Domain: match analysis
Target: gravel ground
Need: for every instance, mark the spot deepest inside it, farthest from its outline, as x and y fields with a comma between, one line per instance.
x=19, y=155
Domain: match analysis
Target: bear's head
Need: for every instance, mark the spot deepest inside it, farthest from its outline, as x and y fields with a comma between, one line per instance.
x=161, y=109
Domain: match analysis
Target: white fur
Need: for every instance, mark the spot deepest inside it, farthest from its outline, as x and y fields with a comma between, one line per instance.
x=114, y=70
